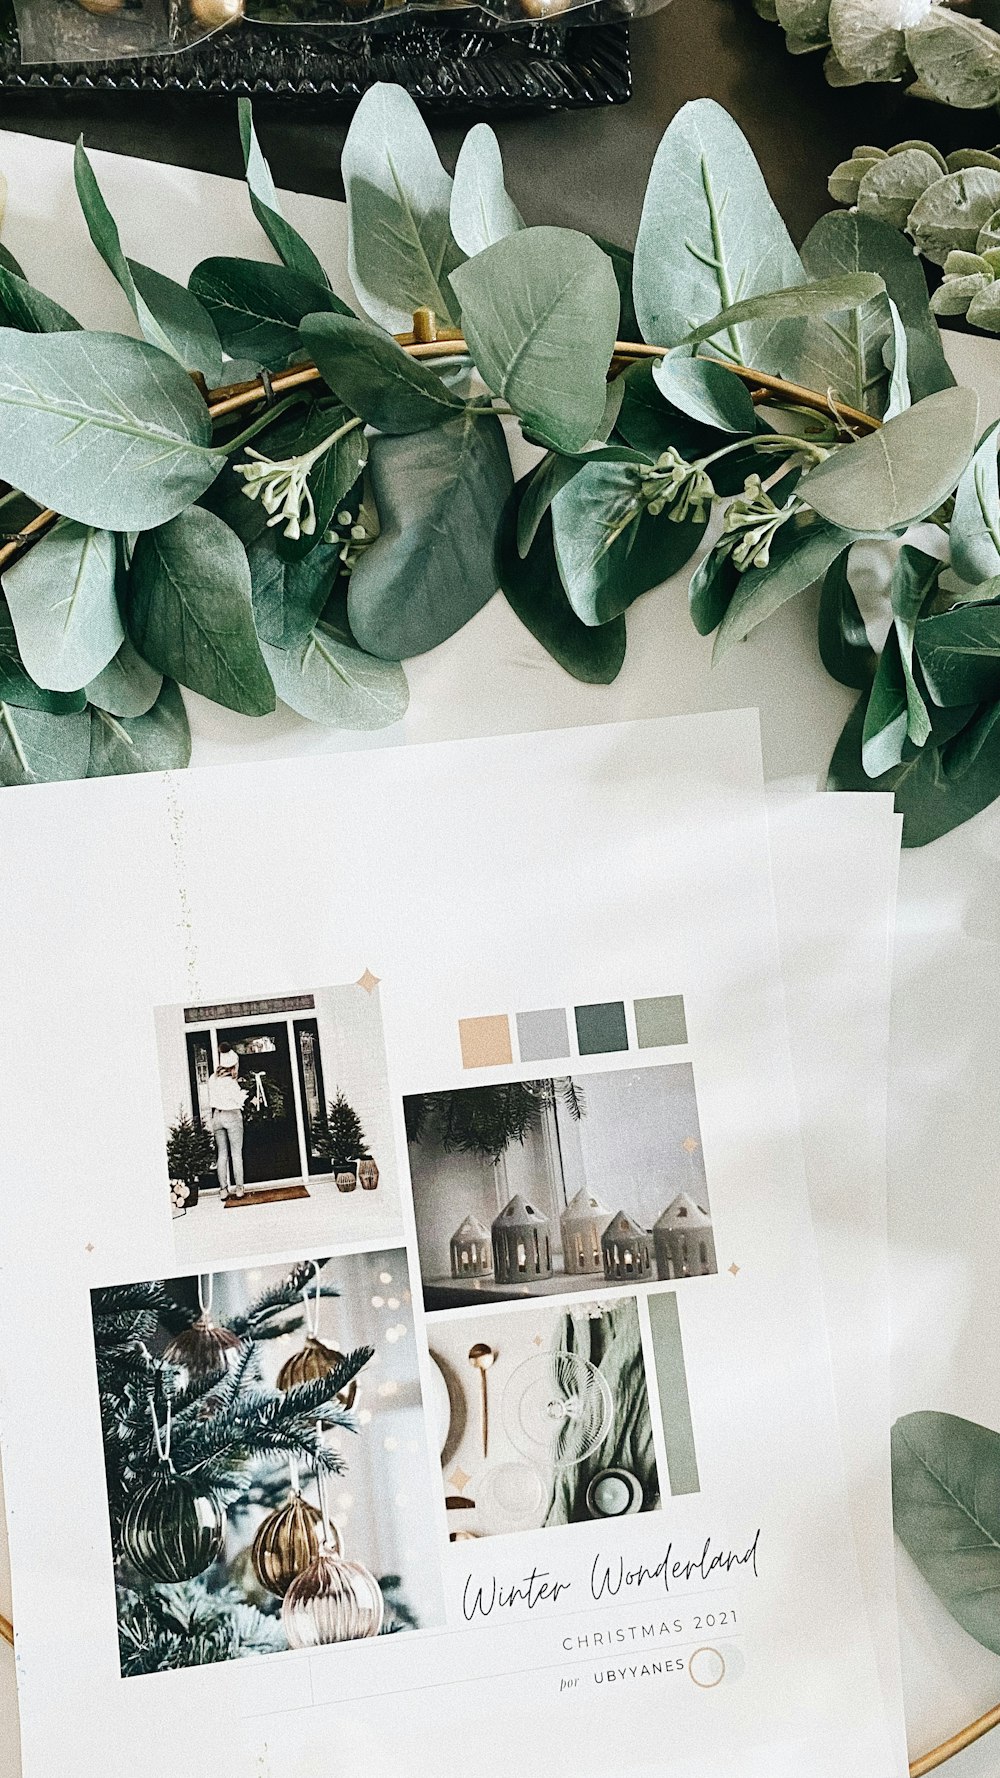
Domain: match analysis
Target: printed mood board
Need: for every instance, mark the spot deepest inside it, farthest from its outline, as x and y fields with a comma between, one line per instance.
x=439, y=1344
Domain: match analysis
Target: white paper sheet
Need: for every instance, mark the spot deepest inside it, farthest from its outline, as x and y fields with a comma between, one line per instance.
x=639, y=820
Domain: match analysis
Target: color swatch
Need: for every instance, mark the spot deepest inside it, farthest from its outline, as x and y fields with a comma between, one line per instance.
x=601, y=1028
x=543, y=1036
x=485, y=1042
x=672, y=1388
x=660, y=1022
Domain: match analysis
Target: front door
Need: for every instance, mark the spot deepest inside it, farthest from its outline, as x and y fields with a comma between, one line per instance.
x=270, y=1124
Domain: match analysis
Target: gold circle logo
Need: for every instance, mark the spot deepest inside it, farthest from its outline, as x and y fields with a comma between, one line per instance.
x=714, y=1667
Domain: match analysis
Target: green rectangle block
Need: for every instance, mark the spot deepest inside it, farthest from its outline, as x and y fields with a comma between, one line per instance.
x=660, y=1022
x=672, y=1389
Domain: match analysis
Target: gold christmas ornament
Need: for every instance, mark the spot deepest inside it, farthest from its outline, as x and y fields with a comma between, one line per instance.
x=202, y=1350
x=333, y=1600
x=368, y=1174
x=213, y=14
x=101, y=8
x=315, y=1360
x=287, y=1541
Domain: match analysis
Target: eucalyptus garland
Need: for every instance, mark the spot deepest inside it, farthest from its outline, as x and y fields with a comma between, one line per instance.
x=949, y=55
x=273, y=496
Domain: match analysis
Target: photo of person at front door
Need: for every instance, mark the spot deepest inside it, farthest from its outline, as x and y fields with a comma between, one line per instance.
x=226, y=1100
x=277, y=1122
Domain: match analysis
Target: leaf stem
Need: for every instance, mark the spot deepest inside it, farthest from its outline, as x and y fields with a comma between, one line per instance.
x=236, y=444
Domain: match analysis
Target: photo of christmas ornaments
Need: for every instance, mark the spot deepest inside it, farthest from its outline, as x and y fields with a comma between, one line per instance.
x=542, y=1418
x=539, y=1187
x=264, y=1442
x=277, y=1123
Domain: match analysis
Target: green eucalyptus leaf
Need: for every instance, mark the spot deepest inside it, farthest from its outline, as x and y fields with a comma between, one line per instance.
x=896, y=354
x=169, y=315
x=190, y=613
x=946, y=1513
x=801, y=553
x=9, y=263
x=826, y=296
x=62, y=601
x=867, y=38
x=844, y=648
x=25, y=308
x=956, y=58
x=139, y=431
x=608, y=548
x=440, y=498
x=884, y=734
x=257, y=308
x=846, y=351
x=844, y=182
x=534, y=591
x=538, y=491
x=289, y=596
x=540, y=313
x=900, y=473
x=159, y=740
x=938, y=786
x=332, y=682
x=16, y=685
x=374, y=377
x=481, y=212
x=706, y=392
x=984, y=307
x=952, y=211
x=707, y=192
x=891, y=187
x=975, y=526
x=38, y=747
x=971, y=157
x=288, y=244
x=128, y=686
x=959, y=654
x=401, y=251
x=621, y=265
x=712, y=590
x=914, y=580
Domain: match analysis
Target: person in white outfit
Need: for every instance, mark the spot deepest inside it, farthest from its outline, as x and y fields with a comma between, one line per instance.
x=226, y=1098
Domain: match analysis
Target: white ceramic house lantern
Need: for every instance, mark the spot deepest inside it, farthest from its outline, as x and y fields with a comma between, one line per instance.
x=471, y=1253
x=683, y=1240
x=522, y=1250
x=582, y=1223
x=626, y=1250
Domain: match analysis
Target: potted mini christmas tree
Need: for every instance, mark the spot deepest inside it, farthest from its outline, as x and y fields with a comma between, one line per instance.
x=343, y=1140
x=190, y=1154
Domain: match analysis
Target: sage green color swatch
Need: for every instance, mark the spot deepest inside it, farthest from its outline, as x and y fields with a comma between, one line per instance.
x=672, y=1390
x=660, y=1021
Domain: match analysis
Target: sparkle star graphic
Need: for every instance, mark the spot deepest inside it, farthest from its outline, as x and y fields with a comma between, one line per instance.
x=368, y=981
x=459, y=1480
x=734, y=1268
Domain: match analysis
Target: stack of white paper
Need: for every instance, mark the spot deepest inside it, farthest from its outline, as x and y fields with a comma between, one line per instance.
x=617, y=909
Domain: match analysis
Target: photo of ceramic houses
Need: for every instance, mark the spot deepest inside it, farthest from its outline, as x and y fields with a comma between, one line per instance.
x=277, y=1123
x=542, y=1417
x=540, y=1187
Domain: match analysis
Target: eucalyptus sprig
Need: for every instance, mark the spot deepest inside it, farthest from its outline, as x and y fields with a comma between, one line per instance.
x=945, y=54
x=274, y=495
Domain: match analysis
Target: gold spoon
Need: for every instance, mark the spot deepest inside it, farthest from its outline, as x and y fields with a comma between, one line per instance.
x=481, y=1358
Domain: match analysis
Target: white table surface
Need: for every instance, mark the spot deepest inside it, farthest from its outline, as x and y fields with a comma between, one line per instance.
x=492, y=678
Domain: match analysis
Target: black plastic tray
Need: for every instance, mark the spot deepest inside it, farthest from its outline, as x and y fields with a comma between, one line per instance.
x=445, y=66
